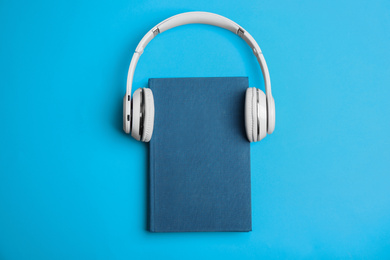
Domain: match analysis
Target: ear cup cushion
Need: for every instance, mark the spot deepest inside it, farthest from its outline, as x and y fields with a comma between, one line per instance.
x=262, y=114
x=271, y=114
x=254, y=115
x=136, y=115
x=149, y=115
x=248, y=114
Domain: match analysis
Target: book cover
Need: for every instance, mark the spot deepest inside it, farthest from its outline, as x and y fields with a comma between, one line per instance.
x=199, y=174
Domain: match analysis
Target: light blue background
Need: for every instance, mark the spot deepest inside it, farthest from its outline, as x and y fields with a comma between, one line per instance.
x=73, y=185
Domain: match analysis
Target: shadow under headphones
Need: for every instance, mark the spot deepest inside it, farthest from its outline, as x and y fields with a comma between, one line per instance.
x=138, y=112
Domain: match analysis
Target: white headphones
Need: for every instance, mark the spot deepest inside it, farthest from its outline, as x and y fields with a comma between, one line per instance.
x=138, y=112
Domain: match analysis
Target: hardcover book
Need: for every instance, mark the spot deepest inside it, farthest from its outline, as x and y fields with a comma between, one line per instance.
x=199, y=175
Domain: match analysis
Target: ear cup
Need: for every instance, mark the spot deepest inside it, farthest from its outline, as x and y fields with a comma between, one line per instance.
x=136, y=115
x=249, y=110
x=255, y=114
x=262, y=114
x=148, y=115
x=255, y=126
x=248, y=114
x=126, y=113
x=271, y=114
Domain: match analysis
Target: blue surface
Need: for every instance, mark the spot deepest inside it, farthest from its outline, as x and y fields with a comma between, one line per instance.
x=73, y=186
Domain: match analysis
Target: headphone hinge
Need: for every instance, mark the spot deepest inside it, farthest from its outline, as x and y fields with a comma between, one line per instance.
x=240, y=32
x=155, y=31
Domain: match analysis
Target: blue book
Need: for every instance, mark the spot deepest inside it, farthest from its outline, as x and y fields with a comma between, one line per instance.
x=199, y=176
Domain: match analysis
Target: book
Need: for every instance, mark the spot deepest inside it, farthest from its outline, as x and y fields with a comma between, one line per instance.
x=199, y=156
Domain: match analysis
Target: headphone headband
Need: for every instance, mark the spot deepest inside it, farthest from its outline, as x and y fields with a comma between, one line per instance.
x=200, y=18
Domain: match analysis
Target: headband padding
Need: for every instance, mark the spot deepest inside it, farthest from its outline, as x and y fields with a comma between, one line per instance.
x=148, y=115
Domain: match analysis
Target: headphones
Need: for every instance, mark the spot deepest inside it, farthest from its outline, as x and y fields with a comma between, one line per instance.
x=138, y=112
